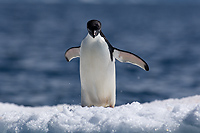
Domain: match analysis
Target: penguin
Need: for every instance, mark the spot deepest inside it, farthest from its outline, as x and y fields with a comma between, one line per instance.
x=97, y=66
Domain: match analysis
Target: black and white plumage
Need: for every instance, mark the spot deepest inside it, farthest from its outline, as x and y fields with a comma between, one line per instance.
x=97, y=66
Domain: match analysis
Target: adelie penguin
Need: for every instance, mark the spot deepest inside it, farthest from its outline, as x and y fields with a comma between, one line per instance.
x=97, y=66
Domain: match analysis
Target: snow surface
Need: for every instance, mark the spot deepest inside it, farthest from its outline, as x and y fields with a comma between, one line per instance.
x=172, y=115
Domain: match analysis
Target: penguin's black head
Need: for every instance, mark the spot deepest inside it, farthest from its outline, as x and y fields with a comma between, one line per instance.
x=94, y=27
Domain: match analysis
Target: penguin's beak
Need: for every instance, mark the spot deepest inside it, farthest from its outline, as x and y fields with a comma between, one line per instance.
x=95, y=33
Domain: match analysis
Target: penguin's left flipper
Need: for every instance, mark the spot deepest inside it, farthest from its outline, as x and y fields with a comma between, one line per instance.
x=128, y=57
x=72, y=53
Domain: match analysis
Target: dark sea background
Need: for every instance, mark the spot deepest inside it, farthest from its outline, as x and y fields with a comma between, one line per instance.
x=34, y=36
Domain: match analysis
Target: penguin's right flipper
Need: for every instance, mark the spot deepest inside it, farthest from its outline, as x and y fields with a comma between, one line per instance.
x=72, y=53
x=128, y=57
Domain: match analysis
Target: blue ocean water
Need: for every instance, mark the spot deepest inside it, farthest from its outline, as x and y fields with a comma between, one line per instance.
x=35, y=35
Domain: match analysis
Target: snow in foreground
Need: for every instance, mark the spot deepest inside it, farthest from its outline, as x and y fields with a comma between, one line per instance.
x=173, y=115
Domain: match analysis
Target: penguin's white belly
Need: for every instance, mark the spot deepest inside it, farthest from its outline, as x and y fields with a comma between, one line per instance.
x=97, y=73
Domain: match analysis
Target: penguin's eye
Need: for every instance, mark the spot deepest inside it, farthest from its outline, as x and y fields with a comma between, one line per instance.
x=89, y=30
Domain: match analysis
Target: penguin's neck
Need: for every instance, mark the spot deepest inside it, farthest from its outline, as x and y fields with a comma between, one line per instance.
x=97, y=44
x=91, y=39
